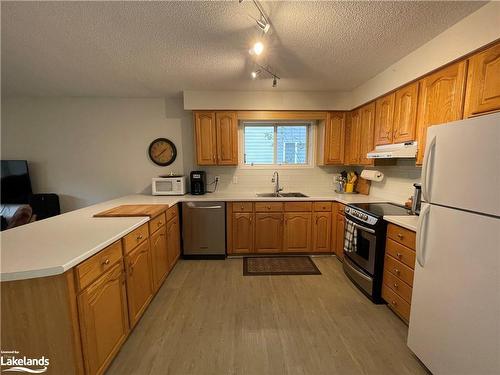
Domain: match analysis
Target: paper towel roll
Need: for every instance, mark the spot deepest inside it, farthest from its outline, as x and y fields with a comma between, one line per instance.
x=372, y=175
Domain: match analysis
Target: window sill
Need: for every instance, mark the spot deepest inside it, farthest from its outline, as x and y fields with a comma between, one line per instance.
x=275, y=166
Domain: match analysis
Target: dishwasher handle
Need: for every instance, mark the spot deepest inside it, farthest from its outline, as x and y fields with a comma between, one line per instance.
x=192, y=205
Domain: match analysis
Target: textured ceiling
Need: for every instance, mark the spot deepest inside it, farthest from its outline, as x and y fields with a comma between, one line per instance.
x=161, y=48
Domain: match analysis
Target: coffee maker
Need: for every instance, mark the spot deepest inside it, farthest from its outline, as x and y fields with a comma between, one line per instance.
x=198, y=181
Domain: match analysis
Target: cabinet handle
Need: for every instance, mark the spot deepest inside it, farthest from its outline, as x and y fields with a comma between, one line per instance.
x=268, y=207
x=139, y=237
x=131, y=268
x=159, y=224
x=396, y=285
x=394, y=303
x=105, y=262
x=251, y=219
x=396, y=271
x=400, y=236
x=399, y=255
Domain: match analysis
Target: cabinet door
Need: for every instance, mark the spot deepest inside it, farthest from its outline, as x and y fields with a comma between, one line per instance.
x=297, y=232
x=268, y=232
x=322, y=227
x=243, y=232
x=483, y=82
x=173, y=242
x=440, y=101
x=159, y=257
x=353, y=134
x=139, y=281
x=384, y=119
x=227, y=138
x=405, y=113
x=334, y=138
x=205, y=136
x=367, y=129
x=339, y=247
x=103, y=315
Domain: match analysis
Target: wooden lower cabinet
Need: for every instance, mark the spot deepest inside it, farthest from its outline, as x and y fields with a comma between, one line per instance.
x=339, y=236
x=159, y=257
x=103, y=319
x=297, y=232
x=139, y=281
x=242, y=232
x=173, y=241
x=322, y=230
x=268, y=232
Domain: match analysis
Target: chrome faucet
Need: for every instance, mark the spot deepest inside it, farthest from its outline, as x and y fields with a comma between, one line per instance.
x=276, y=181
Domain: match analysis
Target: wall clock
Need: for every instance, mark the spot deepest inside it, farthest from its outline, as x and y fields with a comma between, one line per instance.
x=162, y=152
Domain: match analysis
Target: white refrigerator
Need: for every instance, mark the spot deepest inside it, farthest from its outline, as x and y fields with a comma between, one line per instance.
x=455, y=312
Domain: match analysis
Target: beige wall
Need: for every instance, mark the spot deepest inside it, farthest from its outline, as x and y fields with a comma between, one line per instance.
x=90, y=150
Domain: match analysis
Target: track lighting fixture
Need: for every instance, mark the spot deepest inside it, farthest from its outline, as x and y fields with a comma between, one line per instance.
x=263, y=23
x=267, y=70
x=257, y=48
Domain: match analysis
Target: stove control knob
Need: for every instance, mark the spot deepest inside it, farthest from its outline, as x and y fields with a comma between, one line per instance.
x=365, y=217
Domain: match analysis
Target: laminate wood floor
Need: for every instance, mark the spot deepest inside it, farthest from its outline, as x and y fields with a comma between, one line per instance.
x=209, y=319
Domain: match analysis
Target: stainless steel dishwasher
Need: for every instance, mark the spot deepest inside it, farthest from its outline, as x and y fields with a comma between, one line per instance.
x=204, y=229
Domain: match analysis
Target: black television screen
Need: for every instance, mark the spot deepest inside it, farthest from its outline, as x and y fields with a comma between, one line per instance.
x=15, y=183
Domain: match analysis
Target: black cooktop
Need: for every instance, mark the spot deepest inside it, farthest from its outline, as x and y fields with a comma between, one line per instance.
x=381, y=209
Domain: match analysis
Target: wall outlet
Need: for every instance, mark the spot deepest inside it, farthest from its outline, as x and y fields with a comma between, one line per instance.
x=235, y=179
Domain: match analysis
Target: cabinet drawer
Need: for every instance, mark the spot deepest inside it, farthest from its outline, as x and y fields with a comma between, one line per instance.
x=399, y=287
x=172, y=212
x=398, y=269
x=401, y=235
x=268, y=206
x=322, y=206
x=298, y=206
x=242, y=207
x=157, y=222
x=402, y=253
x=396, y=303
x=135, y=237
x=94, y=267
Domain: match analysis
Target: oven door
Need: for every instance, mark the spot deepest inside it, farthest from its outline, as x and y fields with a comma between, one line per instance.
x=363, y=253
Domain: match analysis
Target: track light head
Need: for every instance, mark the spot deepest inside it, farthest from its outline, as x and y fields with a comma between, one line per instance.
x=275, y=81
x=264, y=26
x=257, y=49
x=255, y=74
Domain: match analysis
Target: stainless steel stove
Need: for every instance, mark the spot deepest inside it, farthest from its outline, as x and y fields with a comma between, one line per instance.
x=364, y=257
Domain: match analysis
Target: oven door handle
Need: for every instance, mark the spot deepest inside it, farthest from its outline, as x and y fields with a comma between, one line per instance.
x=361, y=227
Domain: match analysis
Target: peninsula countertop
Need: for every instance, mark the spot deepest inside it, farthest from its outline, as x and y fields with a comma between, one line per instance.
x=54, y=245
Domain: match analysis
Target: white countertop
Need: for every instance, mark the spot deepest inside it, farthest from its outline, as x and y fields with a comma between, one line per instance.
x=52, y=246
x=408, y=222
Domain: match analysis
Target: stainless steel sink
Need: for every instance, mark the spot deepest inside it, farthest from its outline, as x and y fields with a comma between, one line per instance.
x=282, y=195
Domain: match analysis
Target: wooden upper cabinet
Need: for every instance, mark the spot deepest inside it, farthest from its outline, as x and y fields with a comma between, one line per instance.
x=483, y=83
x=353, y=137
x=367, y=129
x=103, y=319
x=242, y=232
x=227, y=138
x=405, y=114
x=322, y=230
x=334, y=138
x=384, y=119
x=268, y=232
x=297, y=232
x=441, y=100
x=205, y=138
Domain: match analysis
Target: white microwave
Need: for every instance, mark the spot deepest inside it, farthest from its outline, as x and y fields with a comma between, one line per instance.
x=175, y=185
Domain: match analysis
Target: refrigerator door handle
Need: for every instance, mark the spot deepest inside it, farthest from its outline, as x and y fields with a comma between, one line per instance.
x=420, y=229
x=425, y=168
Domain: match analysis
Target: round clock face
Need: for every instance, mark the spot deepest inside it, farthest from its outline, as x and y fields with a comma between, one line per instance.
x=162, y=152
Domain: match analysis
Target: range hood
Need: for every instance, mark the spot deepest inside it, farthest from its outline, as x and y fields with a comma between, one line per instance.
x=397, y=150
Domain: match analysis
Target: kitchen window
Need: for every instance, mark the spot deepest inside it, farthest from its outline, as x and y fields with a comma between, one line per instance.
x=276, y=144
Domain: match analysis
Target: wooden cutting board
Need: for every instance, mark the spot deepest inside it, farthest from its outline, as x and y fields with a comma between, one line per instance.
x=363, y=186
x=132, y=210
